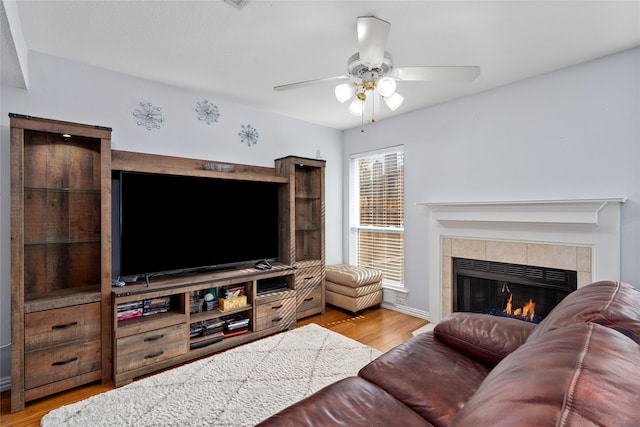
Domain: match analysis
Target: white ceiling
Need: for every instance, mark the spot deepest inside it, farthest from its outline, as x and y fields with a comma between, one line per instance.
x=241, y=54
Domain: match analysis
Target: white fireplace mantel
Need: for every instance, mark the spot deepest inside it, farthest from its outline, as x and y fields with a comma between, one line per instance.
x=564, y=211
x=592, y=223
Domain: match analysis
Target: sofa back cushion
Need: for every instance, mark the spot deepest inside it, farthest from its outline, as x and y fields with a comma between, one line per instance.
x=486, y=338
x=581, y=375
x=428, y=376
x=612, y=304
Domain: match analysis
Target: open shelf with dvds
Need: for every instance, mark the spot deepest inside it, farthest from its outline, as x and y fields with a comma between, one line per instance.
x=219, y=313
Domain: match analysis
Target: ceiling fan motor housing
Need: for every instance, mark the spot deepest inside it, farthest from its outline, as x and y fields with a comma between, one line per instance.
x=357, y=69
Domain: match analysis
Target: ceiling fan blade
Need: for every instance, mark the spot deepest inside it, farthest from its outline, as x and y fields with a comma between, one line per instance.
x=309, y=83
x=454, y=74
x=372, y=39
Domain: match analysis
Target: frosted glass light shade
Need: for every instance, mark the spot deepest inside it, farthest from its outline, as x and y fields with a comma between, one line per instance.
x=356, y=107
x=386, y=86
x=345, y=91
x=394, y=101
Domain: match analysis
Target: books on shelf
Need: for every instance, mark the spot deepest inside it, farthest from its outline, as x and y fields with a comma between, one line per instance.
x=132, y=310
x=235, y=326
x=129, y=310
x=156, y=305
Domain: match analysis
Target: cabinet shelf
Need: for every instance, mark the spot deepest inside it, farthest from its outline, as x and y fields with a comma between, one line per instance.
x=62, y=298
x=203, y=339
x=197, y=345
x=149, y=323
x=308, y=229
x=215, y=314
x=61, y=242
x=63, y=190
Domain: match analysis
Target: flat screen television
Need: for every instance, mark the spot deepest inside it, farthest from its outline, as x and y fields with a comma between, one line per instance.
x=170, y=224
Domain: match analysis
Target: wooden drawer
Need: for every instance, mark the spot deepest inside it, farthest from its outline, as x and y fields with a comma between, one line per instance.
x=63, y=325
x=151, y=347
x=279, y=313
x=309, y=301
x=308, y=278
x=269, y=306
x=61, y=362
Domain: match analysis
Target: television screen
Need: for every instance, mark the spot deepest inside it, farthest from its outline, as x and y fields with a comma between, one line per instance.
x=174, y=223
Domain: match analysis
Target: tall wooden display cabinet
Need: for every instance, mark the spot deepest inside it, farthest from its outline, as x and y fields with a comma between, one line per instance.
x=302, y=239
x=60, y=256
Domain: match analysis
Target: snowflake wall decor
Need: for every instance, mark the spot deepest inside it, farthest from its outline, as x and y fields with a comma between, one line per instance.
x=248, y=135
x=149, y=116
x=207, y=112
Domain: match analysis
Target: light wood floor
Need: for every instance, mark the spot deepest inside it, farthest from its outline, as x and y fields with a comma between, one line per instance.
x=380, y=328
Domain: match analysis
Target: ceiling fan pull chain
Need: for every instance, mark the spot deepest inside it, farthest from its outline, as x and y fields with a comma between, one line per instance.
x=373, y=105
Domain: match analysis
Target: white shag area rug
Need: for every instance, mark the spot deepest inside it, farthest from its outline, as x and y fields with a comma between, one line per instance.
x=240, y=387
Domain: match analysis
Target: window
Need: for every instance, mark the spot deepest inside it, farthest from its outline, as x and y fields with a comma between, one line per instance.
x=376, y=205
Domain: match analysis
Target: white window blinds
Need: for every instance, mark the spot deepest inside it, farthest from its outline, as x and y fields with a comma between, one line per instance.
x=376, y=204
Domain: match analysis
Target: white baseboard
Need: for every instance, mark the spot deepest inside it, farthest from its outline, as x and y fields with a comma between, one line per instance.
x=394, y=299
x=5, y=383
x=407, y=310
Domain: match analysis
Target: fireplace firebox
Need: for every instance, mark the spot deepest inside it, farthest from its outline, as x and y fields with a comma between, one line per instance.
x=520, y=291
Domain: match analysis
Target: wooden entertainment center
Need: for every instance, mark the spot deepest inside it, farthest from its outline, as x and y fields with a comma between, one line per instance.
x=65, y=326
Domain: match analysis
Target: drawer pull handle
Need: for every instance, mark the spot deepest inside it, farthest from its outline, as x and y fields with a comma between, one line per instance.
x=308, y=278
x=276, y=320
x=276, y=307
x=66, y=325
x=64, y=362
x=308, y=299
x=154, y=338
x=154, y=355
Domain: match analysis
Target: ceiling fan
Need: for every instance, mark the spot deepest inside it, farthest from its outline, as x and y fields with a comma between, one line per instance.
x=371, y=70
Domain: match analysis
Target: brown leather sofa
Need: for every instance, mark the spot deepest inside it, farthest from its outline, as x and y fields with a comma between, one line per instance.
x=579, y=367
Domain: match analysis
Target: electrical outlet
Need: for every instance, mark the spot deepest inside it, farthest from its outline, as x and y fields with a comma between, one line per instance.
x=400, y=299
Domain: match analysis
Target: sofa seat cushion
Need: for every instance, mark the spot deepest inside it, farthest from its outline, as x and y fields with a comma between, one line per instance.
x=352, y=275
x=581, y=375
x=612, y=304
x=348, y=402
x=486, y=338
x=428, y=376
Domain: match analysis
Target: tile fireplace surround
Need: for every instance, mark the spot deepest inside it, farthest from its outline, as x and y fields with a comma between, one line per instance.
x=574, y=234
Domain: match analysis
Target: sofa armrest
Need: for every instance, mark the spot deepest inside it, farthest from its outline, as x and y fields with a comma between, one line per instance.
x=579, y=375
x=486, y=338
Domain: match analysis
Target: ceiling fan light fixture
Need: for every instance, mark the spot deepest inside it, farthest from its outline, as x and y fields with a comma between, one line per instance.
x=386, y=86
x=394, y=101
x=372, y=73
x=357, y=107
x=345, y=91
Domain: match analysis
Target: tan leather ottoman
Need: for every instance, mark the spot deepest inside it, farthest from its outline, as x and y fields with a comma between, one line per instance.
x=353, y=288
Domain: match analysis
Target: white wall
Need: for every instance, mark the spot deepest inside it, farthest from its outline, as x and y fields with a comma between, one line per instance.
x=574, y=133
x=64, y=90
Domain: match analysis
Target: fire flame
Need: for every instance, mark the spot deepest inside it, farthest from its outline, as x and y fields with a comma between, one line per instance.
x=528, y=311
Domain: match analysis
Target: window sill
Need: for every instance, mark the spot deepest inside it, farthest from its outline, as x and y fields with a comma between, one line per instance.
x=395, y=288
